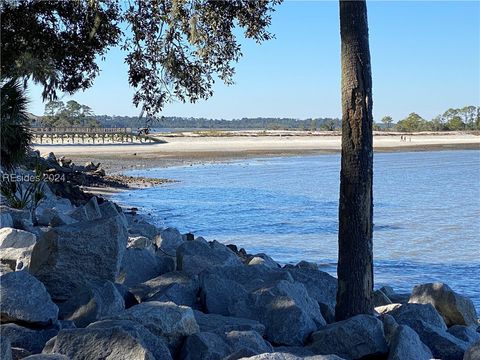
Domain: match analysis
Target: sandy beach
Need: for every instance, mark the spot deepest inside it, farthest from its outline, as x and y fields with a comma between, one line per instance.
x=190, y=148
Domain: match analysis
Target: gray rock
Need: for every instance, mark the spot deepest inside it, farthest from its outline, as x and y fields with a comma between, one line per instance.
x=46, y=357
x=170, y=321
x=74, y=255
x=204, y=346
x=19, y=353
x=385, y=309
x=169, y=240
x=92, y=209
x=380, y=299
x=473, y=352
x=53, y=217
x=5, y=220
x=143, y=228
x=16, y=258
x=32, y=340
x=25, y=299
x=91, y=303
x=407, y=314
x=263, y=259
x=94, y=344
x=321, y=286
x=289, y=314
x=195, y=256
x=138, y=265
x=389, y=326
x=307, y=265
x=220, y=324
x=110, y=209
x=454, y=308
x=140, y=242
x=357, y=337
x=405, y=344
x=5, y=349
x=218, y=294
x=247, y=341
x=175, y=286
x=288, y=356
x=153, y=343
x=14, y=238
x=4, y=268
x=128, y=298
x=465, y=333
x=21, y=219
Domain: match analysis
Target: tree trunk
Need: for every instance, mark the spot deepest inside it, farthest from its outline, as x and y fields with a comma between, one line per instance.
x=355, y=246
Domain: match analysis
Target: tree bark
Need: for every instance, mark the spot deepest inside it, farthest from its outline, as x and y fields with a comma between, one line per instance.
x=355, y=246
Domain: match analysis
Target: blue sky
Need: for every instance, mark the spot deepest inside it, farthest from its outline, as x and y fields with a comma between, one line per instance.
x=425, y=59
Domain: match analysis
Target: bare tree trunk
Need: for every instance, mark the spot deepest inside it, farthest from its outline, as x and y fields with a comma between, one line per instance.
x=355, y=248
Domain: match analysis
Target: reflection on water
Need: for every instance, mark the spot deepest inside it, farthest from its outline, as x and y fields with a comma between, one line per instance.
x=426, y=215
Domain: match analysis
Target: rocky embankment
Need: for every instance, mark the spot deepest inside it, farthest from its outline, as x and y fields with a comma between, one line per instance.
x=93, y=281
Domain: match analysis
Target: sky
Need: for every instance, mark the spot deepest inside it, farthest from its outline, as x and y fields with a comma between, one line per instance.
x=425, y=59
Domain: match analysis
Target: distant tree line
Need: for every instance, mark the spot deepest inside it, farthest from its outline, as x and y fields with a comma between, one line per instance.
x=466, y=118
x=72, y=113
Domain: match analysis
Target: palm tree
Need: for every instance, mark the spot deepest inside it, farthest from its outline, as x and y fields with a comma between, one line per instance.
x=15, y=134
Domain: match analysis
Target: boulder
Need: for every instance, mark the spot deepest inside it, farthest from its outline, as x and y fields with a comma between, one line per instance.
x=454, y=308
x=221, y=324
x=289, y=314
x=380, y=299
x=143, y=228
x=176, y=286
x=14, y=238
x=5, y=349
x=263, y=259
x=25, y=300
x=218, y=294
x=195, y=256
x=128, y=298
x=247, y=342
x=32, y=340
x=321, y=286
x=22, y=219
x=19, y=353
x=405, y=344
x=94, y=344
x=204, y=346
x=357, y=337
x=138, y=265
x=141, y=242
x=46, y=357
x=53, y=217
x=307, y=265
x=91, y=303
x=74, y=255
x=16, y=258
x=473, y=352
x=407, y=314
x=288, y=356
x=110, y=209
x=465, y=333
x=169, y=240
x=5, y=220
x=165, y=319
x=153, y=343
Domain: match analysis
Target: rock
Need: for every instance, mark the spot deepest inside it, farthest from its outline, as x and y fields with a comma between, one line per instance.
x=321, y=286
x=128, y=298
x=153, y=343
x=63, y=264
x=218, y=294
x=14, y=238
x=91, y=303
x=21, y=219
x=221, y=324
x=53, y=217
x=25, y=299
x=247, y=342
x=143, y=228
x=195, y=256
x=46, y=357
x=141, y=242
x=454, y=308
x=385, y=309
x=307, y=265
x=473, y=352
x=5, y=349
x=92, y=209
x=5, y=220
x=138, y=265
x=4, y=268
x=464, y=333
x=110, y=209
x=169, y=240
x=405, y=344
x=94, y=344
x=16, y=258
x=288, y=356
x=263, y=259
x=389, y=326
x=32, y=340
x=170, y=321
x=175, y=286
x=357, y=337
x=289, y=314
x=203, y=346
x=166, y=263
x=380, y=299
x=407, y=314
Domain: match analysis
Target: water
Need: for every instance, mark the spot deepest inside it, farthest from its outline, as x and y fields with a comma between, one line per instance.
x=426, y=214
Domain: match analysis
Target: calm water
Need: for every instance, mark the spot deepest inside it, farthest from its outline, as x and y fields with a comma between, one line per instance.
x=427, y=211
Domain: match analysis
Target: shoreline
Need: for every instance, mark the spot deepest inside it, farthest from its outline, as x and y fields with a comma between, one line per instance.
x=189, y=150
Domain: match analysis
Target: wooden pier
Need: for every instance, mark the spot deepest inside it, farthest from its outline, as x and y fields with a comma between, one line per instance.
x=88, y=135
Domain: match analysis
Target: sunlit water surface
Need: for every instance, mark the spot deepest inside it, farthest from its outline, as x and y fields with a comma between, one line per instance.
x=426, y=213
